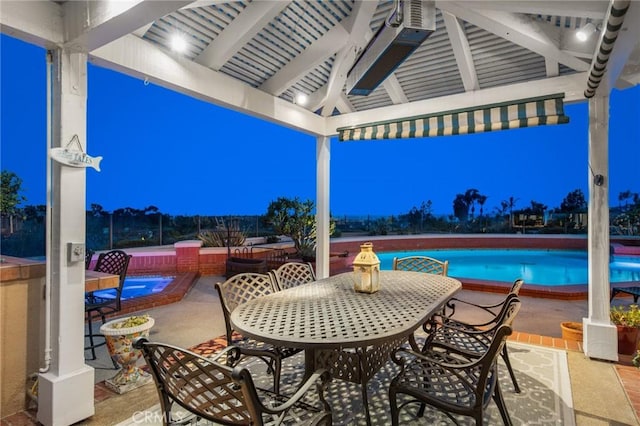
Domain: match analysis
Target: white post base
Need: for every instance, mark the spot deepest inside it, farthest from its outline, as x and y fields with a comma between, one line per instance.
x=62, y=400
x=600, y=340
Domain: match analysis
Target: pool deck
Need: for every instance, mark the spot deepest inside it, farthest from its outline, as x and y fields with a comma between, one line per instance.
x=197, y=318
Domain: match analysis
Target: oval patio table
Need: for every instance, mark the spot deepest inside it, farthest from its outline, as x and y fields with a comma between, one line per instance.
x=348, y=333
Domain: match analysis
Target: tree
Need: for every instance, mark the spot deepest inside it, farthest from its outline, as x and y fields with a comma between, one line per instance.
x=574, y=202
x=626, y=196
x=417, y=216
x=10, y=187
x=460, y=208
x=470, y=197
x=10, y=197
x=296, y=219
x=538, y=208
x=502, y=210
x=98, y=211
x=463, y=203
x=481, y=200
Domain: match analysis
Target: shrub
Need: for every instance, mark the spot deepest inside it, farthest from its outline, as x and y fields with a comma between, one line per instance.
x=225, y=235
x=625, y=316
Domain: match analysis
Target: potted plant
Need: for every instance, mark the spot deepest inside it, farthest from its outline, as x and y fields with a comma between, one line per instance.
x=627, y=320
x=120, y=334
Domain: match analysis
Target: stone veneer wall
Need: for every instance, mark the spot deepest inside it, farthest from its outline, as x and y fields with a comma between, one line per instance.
x=22, y=285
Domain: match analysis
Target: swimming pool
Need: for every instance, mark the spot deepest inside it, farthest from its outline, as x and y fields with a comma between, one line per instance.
x=544, y=267
x=139, y=286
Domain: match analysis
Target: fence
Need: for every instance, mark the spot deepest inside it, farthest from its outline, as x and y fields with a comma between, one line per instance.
x=25, y=237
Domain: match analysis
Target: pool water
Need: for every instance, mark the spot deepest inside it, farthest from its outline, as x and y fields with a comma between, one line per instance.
x=139, y=286
x=544, y=267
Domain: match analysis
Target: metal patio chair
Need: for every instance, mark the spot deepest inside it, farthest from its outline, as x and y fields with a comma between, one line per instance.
x=425, y=264
x=453, y=381
x=632, y=291
x=210, y=390
x=292, y=274
x=241, y=288
x=476, y=338
x=88, y=257
x=99, y=305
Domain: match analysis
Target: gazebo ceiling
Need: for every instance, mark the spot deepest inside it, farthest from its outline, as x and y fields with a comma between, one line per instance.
x=258, y=56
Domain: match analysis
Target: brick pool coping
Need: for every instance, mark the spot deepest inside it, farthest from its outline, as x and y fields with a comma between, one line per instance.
x=173, y=292
x=626, y=246
x=189, y=258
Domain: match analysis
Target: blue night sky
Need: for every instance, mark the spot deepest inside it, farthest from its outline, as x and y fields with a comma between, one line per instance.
x=188, y=157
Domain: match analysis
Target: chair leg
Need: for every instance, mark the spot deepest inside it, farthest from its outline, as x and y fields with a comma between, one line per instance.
x=91, y=344
x=365, y=403
x=499, y=400
x=505, y=357
x=276, y=375
x=394, y=407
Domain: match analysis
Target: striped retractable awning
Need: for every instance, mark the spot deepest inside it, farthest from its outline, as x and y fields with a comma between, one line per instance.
x=614, y=23
x=486, y=118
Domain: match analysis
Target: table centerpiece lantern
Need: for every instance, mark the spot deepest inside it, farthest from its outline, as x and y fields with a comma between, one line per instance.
x=366, y=270
x=120, y=334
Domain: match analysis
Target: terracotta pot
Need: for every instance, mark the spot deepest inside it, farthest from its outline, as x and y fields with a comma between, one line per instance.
x=628, y=339
x=571, y=330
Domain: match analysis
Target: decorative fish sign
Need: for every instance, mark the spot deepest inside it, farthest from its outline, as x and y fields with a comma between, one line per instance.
x=75, y=157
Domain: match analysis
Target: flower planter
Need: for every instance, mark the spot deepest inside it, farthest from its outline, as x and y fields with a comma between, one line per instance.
x=238, y=265
x=628, y=339
x=119, y=342
x=571, y=330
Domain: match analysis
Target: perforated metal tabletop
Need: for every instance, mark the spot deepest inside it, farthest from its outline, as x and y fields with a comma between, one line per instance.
x=328, y=313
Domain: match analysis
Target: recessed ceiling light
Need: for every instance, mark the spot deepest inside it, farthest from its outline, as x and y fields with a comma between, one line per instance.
x=178, y=43
x=301, y=99
x=585, y=32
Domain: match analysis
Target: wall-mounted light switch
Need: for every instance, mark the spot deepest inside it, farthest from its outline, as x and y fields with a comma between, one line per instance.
x=75, y=252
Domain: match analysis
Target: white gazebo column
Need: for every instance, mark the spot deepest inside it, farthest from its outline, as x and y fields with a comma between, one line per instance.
x=66, y=386
x=600, y=336
x=323, y=215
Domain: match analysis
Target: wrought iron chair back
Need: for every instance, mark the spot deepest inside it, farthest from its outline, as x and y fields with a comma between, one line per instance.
x=491, y=309
x=215, y=392
x=241, y=288
x=292, y=274
x=425, y=264
x=114, y=262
